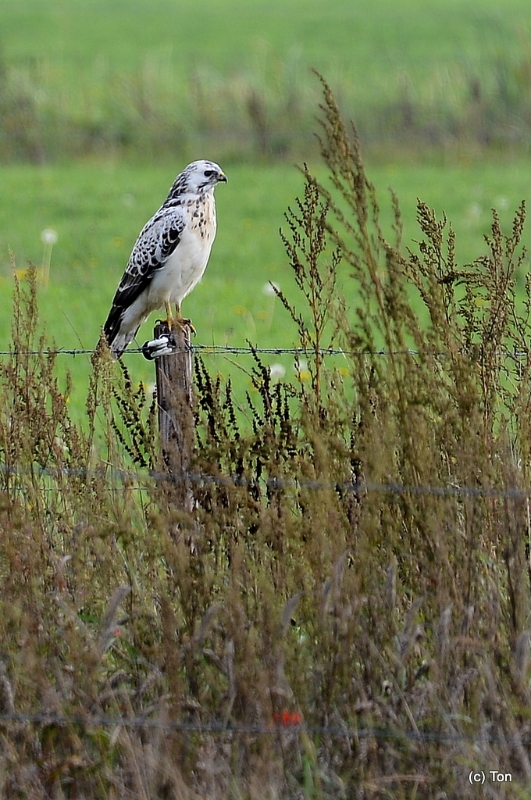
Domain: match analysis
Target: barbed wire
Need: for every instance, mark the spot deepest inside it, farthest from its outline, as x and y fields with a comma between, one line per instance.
x=356, y=487
x=285, y=724
x=237, y=350
x=213, y=349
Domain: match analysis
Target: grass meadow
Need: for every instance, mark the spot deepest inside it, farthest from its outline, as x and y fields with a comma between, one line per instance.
x=90, y=76
x=345, y=610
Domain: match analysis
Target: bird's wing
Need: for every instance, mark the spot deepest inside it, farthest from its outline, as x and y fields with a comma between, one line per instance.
x=156, y=242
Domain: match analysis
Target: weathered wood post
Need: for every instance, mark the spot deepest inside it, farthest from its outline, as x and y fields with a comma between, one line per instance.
x=176, y=418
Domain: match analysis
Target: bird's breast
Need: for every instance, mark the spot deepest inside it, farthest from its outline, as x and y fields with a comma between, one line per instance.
x=186, y=265
x=202, y=217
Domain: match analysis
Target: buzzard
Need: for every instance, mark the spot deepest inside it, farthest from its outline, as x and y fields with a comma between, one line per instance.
x=170, y=255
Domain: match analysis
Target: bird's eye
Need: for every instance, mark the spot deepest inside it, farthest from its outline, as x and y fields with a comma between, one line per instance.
x=209, y=173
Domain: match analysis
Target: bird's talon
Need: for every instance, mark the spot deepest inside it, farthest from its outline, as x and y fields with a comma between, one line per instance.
x=187, y=323
x=183, y=325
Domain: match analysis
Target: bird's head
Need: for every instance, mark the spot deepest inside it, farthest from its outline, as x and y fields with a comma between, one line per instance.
x=200, y=176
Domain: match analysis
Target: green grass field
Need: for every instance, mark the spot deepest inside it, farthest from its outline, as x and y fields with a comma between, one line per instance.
x=235, y=77
x=225, y=36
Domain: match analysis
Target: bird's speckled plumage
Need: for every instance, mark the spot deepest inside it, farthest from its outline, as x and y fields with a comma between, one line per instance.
x=170, y=254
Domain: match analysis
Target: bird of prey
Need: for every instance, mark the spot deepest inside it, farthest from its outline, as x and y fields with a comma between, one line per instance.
x=169, y=257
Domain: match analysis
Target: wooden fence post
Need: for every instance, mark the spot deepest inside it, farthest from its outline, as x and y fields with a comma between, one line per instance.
x=176, y=418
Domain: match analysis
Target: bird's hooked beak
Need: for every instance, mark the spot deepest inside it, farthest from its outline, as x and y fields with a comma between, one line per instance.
x=222, y=178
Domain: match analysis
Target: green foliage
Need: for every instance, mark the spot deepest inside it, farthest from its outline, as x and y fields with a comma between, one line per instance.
x=356, y=555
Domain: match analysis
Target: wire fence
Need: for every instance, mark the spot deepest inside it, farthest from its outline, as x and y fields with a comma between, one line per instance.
x=283, y=723
x=213, y=349
x=358, y=488
x=237, y=350
x=271, y=484
x=286, y=722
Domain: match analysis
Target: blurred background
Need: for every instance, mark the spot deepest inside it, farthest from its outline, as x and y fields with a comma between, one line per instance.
x=103, y=102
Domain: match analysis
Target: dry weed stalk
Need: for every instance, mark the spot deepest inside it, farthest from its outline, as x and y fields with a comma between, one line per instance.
x=394, y=625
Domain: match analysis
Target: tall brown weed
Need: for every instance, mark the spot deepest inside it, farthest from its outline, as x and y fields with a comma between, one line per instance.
x=345, y=612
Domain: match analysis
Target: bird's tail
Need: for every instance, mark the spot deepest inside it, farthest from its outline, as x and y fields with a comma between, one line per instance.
x=116, y=340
